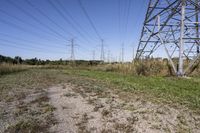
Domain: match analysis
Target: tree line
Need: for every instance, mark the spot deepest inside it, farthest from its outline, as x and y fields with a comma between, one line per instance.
x=36, y=61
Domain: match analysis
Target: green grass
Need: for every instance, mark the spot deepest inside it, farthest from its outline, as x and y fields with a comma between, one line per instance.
x=171, y=90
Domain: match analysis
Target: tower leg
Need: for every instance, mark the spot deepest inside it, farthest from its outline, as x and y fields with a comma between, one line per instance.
x=181, y=45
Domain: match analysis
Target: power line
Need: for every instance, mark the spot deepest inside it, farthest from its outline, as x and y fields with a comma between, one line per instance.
x=126, y=14
x=123, y=17
x=119, y=17
x=71, y=17
x=127, y=18
x=32, y=47
x=27, y=42
x=89, y=19
x=27, y=23
x=136, y=22
x=12, y=42
x=18, y=27
x=35, y=19
x=22, y=29
x=66, y=19
x=46, y=16
x=35, y=43
x=28, y=48
x=83, y=48
x=43, y=14
x=87, y=50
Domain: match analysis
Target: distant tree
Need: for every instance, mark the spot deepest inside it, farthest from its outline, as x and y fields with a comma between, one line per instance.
x=60, y=61
x=47, y=62
x=17, y=60
x=6, y=59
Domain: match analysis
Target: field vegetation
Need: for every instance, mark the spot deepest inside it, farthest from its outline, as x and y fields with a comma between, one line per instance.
x=6, y=68
x=170, y=90
x=24, y=100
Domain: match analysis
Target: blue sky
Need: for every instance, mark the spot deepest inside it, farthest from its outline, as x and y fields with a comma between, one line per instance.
x=43, y=28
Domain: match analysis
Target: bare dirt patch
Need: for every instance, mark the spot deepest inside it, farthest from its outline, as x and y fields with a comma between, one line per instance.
x=24, y=104
x=82, y=110
x=72, y=111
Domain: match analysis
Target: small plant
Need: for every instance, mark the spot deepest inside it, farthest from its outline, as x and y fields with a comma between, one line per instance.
x=70, y=94
x=105, y=112
x=63, y=86
x=25, y=125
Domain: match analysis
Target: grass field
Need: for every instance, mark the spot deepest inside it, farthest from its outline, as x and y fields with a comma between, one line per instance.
x=159, y=89
x=25, y=105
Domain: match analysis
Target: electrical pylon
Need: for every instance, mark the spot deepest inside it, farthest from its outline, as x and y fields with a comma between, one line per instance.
x=172, y=25
x=102, y=57
x=93, y=55
x=122, y=53
x=108, y=56
x=72, y=57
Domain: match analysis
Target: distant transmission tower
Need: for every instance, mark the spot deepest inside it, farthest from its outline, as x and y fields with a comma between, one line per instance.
x=108, y=56
x=122, y=52
x=102, y=57
x=93, y=55
x=72, y=56
x=174, y=26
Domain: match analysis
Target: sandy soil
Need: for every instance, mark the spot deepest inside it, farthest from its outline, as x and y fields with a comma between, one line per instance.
x=80, y=111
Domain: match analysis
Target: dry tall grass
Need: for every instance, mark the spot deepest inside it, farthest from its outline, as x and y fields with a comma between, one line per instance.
x=6, y=68
x=148, y=67
x=144, y=67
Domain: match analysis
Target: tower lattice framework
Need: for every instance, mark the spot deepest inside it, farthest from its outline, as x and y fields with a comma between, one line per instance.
x=173, y=26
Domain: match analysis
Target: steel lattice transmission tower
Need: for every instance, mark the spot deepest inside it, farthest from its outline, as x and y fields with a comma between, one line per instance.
x=72, y=56
x=102, y=57
x=172, y=25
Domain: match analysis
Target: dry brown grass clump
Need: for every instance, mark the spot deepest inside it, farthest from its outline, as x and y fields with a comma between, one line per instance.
x=6, y=68
x=146, y=67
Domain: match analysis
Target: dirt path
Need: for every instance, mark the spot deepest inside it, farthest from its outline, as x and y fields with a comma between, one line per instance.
x=78, y=110
x=71, y=111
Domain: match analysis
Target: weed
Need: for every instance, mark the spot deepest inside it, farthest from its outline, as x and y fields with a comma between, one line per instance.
x=105, y=112
x=26, y=125
x=64, y=86
x=82, y=125
x=70, y=94
x=132, y=120
x=128, y=128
